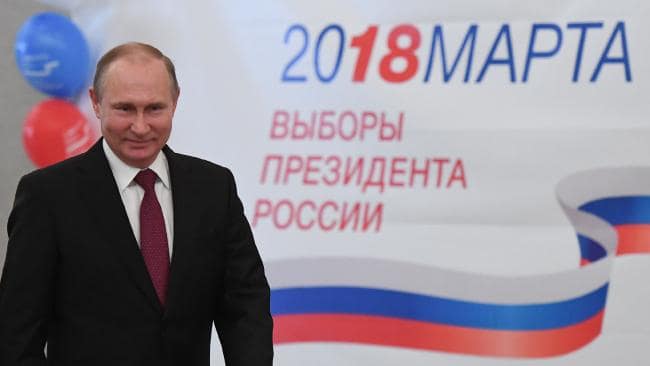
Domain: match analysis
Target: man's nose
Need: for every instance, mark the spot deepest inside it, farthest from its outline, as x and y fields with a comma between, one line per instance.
x=140, y=125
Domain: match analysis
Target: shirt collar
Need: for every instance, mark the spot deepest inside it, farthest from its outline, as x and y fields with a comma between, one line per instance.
x=124, y=173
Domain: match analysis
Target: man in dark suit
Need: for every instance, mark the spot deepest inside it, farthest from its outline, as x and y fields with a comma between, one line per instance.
x=126, y=254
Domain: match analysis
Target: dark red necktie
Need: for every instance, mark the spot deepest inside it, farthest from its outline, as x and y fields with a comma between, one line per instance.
x=153, y=235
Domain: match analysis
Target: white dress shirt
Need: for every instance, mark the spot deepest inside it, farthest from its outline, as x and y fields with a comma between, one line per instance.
x=132, y=193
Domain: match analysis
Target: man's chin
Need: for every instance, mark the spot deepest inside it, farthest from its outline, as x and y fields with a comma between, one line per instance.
x=140, y=158
x=139, y=145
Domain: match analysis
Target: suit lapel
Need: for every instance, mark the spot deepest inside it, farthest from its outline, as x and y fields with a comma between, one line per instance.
x=185, y=201
x=100, y=193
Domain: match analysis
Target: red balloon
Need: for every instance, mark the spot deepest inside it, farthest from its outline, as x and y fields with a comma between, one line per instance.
x=55, y=130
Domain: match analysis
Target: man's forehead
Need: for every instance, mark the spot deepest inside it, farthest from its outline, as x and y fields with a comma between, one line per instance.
x=137, y=59
x=136, y=72
x=142, y=74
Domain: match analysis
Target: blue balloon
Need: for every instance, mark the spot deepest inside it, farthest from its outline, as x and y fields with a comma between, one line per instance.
x=52, y=54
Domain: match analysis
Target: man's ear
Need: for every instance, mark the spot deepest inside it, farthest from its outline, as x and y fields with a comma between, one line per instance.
x=178, y=94
x=95, y=102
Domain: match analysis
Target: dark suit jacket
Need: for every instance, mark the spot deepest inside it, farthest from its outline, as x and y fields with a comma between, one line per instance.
x=74, y=275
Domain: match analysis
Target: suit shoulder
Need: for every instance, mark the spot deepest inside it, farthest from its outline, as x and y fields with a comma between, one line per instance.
x=202, y=165
x=54, y=172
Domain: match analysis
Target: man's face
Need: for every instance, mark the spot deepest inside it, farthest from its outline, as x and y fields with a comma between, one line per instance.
x=136, y=108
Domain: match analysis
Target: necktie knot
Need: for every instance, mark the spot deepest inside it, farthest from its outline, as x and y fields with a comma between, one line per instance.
x=146, y=179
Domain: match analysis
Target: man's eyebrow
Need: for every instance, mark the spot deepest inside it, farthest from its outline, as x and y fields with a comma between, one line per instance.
x=121, y=104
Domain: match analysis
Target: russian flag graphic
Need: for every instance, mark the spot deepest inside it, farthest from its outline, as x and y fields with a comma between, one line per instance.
x=401, y=304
